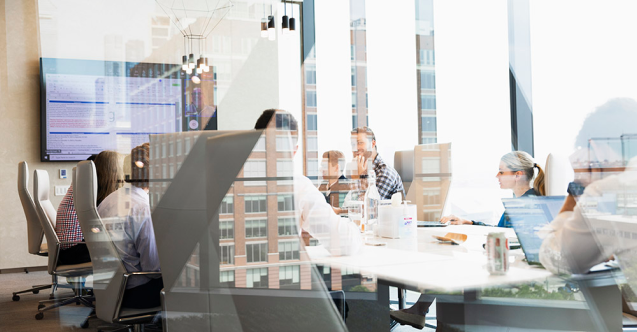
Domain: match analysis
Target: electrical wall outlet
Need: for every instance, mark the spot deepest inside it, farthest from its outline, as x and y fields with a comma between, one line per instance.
x=61, y=190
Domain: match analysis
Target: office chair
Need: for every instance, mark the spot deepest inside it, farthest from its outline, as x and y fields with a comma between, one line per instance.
x=47, y=215
x=35, y=233
x=558, y=172
x=110, y=276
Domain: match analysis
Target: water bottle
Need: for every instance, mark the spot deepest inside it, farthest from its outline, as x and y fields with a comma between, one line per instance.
x=372, y=200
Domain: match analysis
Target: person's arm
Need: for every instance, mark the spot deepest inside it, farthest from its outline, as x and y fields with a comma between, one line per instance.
x=454, y=220
x=146, y=246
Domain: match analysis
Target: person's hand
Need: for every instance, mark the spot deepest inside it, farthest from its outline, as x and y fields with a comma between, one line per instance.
x=339, y=210
x=361, y=162
x=453, y=220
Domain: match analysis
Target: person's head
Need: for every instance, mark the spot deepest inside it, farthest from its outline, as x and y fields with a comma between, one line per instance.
x=108, y=166
x=363, y=141
x=517, y=168
x=280, y=120
x=331, y=164
x=140, y=165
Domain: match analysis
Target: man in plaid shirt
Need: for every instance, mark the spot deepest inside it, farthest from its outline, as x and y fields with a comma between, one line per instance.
x=67, y=228
x=388, y=181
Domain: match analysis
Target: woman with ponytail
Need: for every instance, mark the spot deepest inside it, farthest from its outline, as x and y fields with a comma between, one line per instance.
x=517, y=169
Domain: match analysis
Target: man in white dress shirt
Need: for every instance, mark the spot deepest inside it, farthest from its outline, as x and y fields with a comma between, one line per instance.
x=127, y=216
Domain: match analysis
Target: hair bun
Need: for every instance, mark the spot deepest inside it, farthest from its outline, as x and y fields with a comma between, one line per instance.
x=535, y=165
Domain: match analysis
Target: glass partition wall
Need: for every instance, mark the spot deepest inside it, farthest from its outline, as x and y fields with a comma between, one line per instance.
x=234, y=209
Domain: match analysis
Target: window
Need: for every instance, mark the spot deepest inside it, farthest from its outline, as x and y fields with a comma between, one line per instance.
x=354, y=121
x=287, y=226
x=428, y=123
x=283, y=122
x=312, y=167
x=286, y=202
x=256, y=228
x=289, y=276
x=227, y=205
x=178, y=147
x=163, y=150
x=310, y=74
x=428, y=102
x=428, y=140
x=171, y=149
x=257, y=252
x=310, y=98
x=254, y=169
x=187, y=141
x=226, y=278
x=353, y=76
x=283, y=144
x=431, y=197
x=260, y=146
x=284, y=168
x=311, y=122
x=257, y=278
x=427, y=57
x=288, y=250
x=353, y=99
x=312, y=143
x=255, y=204
x=430, y=165
x=352, y=49
x=226, y=229
x=226, y=254
x=427, y=79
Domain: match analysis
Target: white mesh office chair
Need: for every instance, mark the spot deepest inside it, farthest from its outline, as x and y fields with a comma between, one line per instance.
x=35, y=233
x=109, y=275
x=47, y=215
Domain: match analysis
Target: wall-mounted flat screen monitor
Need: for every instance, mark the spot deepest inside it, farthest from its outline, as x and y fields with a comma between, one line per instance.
x=88, y=106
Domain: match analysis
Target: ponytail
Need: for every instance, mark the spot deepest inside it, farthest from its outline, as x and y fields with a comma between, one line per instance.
x=538, y=184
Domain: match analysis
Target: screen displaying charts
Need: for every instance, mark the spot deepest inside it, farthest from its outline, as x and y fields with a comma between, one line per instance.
x=91, y=106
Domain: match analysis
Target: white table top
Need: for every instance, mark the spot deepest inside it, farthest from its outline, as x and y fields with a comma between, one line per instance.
x=423, y=262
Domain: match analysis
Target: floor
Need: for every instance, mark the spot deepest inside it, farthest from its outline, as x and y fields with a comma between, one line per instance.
x=20, y=316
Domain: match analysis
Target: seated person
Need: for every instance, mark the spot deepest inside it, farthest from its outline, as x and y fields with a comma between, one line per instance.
x=135, y=239
x=338, y=235
x=334, y=182
x=388, y=181
x=516, y=172
x=67, y=227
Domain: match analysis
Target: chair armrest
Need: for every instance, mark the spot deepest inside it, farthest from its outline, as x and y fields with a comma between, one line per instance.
x=142, y=273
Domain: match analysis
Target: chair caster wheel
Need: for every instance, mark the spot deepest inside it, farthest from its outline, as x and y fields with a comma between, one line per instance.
x=77, y=303
x=36, y=291
x=51, y=297
x=39, y=316
x=16, y=298
x=84, y=324
x=40, y=306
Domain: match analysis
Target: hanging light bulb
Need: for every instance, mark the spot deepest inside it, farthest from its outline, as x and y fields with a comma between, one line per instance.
x=285, y=20
x=191, y=61
x=189, y=70
x=184, y=62
x=206, y=67
x=199, y=70
x=285, y=24
x=292, y=21
x=195, y=79
x=264, y=28
x=271, y=29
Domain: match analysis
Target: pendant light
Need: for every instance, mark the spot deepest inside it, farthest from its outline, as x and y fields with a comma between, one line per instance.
x=285, y=20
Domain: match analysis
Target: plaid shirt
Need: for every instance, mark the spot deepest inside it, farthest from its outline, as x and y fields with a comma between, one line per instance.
x=388, y=182
x=67, y=227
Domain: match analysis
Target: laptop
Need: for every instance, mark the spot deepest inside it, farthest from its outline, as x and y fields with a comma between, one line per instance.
x=527, y=216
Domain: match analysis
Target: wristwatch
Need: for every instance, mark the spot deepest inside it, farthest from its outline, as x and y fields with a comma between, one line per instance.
x=575, y=189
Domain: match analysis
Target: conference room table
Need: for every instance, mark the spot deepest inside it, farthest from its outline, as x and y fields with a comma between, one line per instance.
x=422, y=263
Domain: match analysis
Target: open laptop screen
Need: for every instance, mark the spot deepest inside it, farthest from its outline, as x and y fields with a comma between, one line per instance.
x=528, y=215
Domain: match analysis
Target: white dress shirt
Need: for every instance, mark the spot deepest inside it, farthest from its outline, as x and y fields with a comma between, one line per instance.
x=571, y=245
x=338, y=235
x=127, y=210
